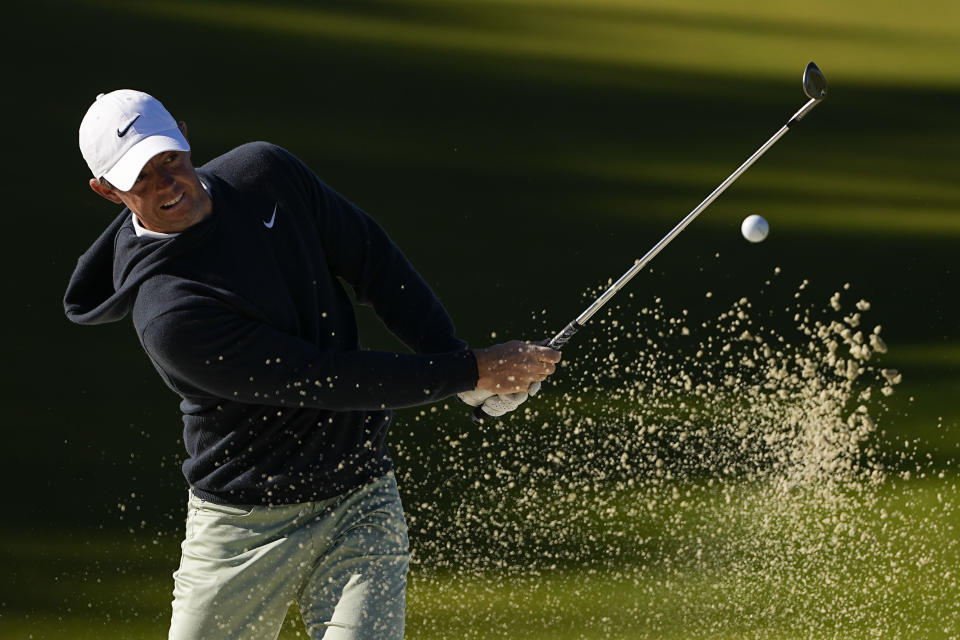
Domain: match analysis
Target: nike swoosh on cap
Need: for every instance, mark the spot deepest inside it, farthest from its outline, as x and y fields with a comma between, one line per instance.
x=123, y=132
x=269, y=223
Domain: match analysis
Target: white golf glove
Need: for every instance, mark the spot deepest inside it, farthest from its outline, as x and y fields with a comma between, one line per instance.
x=474, y=398
x=496, y=405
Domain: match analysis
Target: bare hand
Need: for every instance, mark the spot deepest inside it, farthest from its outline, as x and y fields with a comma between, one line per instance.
x=513, y=366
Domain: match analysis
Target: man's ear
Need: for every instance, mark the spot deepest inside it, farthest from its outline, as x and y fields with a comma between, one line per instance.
x=105, y=191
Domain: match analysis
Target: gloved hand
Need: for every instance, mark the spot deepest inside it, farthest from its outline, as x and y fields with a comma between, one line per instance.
x=496, y=405
x=475, y=398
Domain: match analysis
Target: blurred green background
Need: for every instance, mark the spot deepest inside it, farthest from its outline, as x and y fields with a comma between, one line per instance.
x=520, y=152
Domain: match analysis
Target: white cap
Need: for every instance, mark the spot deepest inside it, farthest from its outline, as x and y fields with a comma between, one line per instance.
x=122, y=130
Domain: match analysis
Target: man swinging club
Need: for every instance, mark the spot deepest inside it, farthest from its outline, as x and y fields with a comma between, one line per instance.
x=232, y=275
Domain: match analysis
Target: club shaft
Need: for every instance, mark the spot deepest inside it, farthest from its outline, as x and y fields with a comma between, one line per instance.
x=690, y=217
x=564, y=336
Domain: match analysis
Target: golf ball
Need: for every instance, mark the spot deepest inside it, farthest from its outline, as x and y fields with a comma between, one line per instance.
x=754, y=228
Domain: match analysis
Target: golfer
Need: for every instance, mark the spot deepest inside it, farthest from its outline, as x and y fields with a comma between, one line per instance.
x=233, y=275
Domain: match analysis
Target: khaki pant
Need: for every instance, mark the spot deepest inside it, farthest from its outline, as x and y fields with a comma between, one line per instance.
x=343, y=561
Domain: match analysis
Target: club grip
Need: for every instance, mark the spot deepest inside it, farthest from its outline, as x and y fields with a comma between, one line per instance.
x=479, y=416
x=557, y=341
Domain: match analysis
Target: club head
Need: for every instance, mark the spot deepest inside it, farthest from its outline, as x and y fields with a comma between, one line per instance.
x=814, y=84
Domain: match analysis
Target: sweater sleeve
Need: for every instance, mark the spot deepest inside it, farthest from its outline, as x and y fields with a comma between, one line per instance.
x=360, y=251
x=203, y=348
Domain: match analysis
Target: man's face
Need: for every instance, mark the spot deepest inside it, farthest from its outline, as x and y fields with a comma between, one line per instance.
x=167, y=195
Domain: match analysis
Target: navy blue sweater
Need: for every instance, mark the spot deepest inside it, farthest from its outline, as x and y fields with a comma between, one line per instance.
x=252, y=327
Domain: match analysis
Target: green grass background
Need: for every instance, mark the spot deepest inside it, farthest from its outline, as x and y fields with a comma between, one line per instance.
x=520, y=152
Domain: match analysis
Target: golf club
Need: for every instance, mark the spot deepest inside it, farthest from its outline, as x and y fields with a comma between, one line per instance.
x=815, y=87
